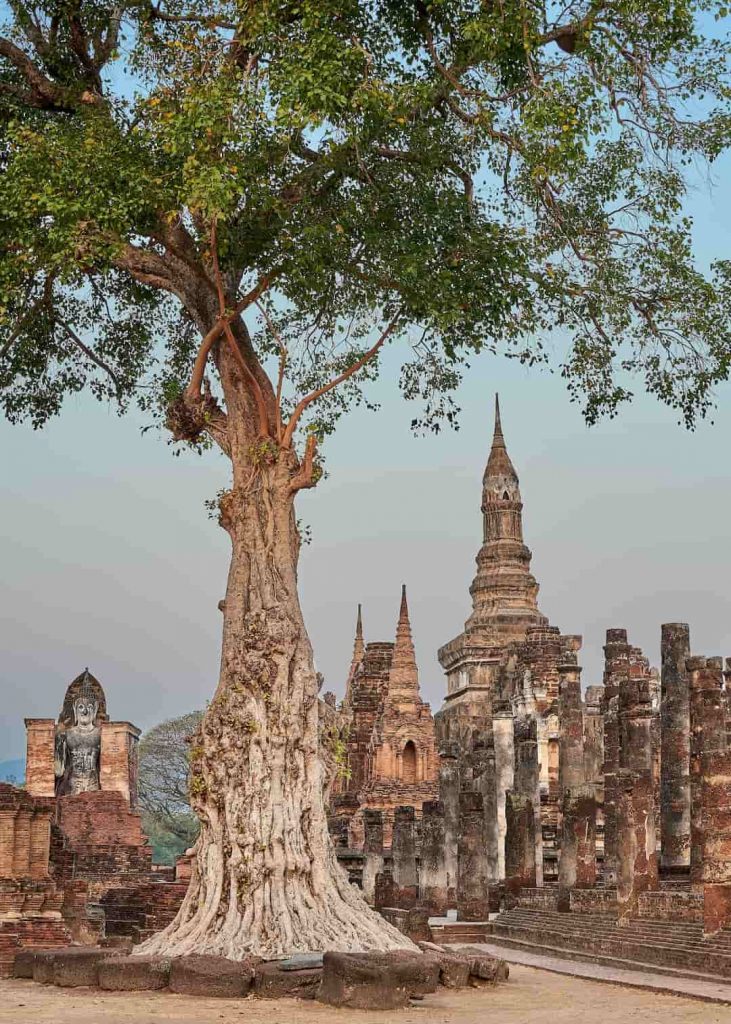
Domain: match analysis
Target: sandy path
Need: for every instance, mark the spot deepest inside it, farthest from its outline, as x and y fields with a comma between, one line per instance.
x=530, y=997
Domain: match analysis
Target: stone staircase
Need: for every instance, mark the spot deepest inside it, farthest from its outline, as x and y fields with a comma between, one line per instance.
x=139, y=911
x=451, y=932
x=676, y=947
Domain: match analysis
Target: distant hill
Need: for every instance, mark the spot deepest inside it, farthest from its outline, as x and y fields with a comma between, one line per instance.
x=13, y=771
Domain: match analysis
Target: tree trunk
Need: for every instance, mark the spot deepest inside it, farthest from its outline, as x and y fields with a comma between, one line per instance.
x=265, y=877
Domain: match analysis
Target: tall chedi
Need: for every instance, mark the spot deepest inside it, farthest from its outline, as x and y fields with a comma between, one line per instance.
x=503, y=668
x=504, y=600
x=504, y=593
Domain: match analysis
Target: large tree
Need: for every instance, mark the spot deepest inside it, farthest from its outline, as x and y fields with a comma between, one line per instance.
x=223, y=210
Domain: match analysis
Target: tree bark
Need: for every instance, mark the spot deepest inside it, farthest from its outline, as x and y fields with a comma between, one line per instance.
x=265, y=877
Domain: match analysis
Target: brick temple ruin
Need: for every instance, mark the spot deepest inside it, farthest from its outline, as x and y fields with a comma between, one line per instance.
x=585, y=821
x=588, y=822
x=75, y=866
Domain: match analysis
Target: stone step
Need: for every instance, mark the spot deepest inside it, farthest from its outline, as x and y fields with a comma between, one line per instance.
x=580, y=956
x=692, y=957
x=666, y=932
x=460, y=931
x=631, y=927
x=627, y=930
x=590, y=922
x=619, y=935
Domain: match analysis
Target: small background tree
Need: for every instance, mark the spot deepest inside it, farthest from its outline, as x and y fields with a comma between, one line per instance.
x=164, y=770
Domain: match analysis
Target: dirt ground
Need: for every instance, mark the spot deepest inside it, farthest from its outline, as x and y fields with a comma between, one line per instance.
x=538, y=997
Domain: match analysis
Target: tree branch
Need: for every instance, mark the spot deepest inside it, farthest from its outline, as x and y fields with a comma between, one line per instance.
x=91, y=354
x=319, y=392
x=45, y=94
x=282, y=365
x=305, y=477
x=190, y=17
x=199, y=367
x=257, y=393
x=44, y=300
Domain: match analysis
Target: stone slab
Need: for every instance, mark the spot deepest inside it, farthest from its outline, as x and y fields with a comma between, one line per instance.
x=377, y=981
x=211, y=976
x=24, y=961
x=134, y=973
x=271, y=982
x=301, y=962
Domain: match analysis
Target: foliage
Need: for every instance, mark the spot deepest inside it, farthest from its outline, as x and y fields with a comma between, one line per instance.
x=451, y=175
x=164, y=770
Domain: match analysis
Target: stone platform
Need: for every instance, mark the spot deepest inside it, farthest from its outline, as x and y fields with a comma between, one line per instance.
x=641, y=944
x=701, y=987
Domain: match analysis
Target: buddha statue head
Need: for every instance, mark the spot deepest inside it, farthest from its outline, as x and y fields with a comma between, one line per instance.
x=82, y=694
x=86, y=709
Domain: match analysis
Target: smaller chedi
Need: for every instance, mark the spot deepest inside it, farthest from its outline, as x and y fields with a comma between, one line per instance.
x=77, y=743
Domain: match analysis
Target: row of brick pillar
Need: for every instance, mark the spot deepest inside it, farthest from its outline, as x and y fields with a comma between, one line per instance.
x=458, y=850
x=631, y=778
x=667, y=795
x=667, y=778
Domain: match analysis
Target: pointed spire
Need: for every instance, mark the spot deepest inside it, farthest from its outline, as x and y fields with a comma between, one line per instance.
x=358, y=652
x=358, y=646
x=404, y=674
x=403, y=615
x=497, y=438
x=499, y=473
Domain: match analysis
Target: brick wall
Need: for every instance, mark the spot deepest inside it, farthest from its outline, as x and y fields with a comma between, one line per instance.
x=101, y=818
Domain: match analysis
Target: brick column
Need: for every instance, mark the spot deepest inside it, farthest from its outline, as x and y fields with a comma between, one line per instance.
x=433, y=888
x=403, y=857
x=7, y=841
x=449, y=798
x=373, y=850
x=594, y=760
x=716, y=867
x=520, y=855
x=637, y=854
x=21, y=843
x=616, y=665
x=40, y=779
x=577, y=862
x=675, y=746
x=40, y=843
x=502, y=724
x=118, y=760
x=708, y=738
x=384, y=894
x=472, y=891
x=479, y=776
x=593, y=735
x=527, y=781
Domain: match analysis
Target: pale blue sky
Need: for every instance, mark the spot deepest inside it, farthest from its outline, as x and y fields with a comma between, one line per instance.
x=109, y=560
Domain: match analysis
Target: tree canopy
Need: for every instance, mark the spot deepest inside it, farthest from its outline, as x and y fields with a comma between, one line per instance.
x=339, y=174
